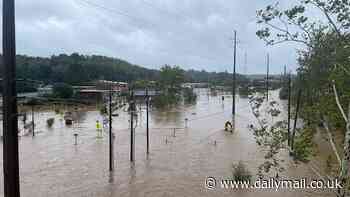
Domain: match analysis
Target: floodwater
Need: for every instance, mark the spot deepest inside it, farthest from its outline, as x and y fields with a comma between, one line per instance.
x=178, y=163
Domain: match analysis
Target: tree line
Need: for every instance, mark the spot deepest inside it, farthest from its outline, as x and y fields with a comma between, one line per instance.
x=76, y=69
x=323, y=75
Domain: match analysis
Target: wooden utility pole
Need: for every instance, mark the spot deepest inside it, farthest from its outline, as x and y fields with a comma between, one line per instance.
x=267, y=75
x=132, y=132
x=296, y=118
x=10, y=127
x=147, y=126
x=234, y=74
x=33, y=124
x=289, y=104
x=111, y=147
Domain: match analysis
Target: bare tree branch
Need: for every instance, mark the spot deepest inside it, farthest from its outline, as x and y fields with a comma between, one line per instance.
x=331, y=141
x=338, y=102
x=330, y=20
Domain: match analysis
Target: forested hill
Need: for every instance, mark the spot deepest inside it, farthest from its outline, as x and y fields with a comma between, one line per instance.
x=76, y=69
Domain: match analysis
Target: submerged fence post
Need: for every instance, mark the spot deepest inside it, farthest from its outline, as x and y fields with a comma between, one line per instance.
x=75, y=139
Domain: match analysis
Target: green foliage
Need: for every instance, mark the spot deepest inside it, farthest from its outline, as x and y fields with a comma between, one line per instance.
x=62, y=90
x=103, y=109
x=214, y=78
x=143, y=84
x=292, y=24
x=171, y=78
x=240, y=172
x=166, y=100
x=189, y=95
x=244, y=91
x=33, y=102
x=170, y=82
x=283, y=94
x=81, y=69
x=303, y=145
x=77, y=69
x=325, y=59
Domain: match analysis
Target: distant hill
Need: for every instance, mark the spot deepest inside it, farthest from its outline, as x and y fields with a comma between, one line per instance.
x=76, y=69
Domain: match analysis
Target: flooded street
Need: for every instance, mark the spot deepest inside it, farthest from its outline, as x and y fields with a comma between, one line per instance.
x=178, y=163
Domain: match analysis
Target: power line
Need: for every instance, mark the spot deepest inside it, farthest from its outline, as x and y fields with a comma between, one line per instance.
x=115, y=11
x=136, y=19
x=184, y=16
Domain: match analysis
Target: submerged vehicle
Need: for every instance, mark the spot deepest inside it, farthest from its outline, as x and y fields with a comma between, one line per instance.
x=68, y=118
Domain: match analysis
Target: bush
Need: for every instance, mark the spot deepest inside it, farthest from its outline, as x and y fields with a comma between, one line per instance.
x=283, y=93
x=240, y=172
x=189, y=95
x=102, y=109
x=303, y=145
x=50, y=122
x=166, y=100
x=62, y=90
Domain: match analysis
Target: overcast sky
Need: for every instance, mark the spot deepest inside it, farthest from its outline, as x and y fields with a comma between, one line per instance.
x=190, y=33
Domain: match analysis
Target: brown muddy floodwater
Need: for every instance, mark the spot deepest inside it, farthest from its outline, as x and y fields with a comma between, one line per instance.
x=51, y=165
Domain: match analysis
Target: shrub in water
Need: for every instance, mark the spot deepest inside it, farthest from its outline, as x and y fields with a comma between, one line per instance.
x=240, y=172
x=50, y=122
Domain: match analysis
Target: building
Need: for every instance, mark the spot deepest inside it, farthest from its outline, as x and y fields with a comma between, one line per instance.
x=92, y=94
x=114, y=85
x=45, y=90
x=100, y=90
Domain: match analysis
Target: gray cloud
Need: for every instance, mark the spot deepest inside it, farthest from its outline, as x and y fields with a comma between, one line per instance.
x=193, y=34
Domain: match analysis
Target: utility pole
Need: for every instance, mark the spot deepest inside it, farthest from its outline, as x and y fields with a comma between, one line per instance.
x=111, y=158
x=33, y=124
x=132, y=132
x=10, y=127
x=147, y=126
x=234, y=74
x=296, y=117
x=267, y=75
x=289, y=104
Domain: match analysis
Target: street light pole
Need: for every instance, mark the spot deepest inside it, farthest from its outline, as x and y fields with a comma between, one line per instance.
x=234, y=74
x=10, y=127
x=111, y=159
x=147, y=114
x=132, y=131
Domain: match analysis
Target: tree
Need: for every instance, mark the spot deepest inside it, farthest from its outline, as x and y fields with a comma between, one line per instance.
x=62, y=90
x=293, y=24
x=171, y=78
x=324, y=61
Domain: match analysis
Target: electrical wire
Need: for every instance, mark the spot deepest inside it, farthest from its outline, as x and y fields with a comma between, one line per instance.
x=136, y=19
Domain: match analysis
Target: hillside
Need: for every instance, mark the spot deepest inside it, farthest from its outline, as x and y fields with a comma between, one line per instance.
x=77, y=69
